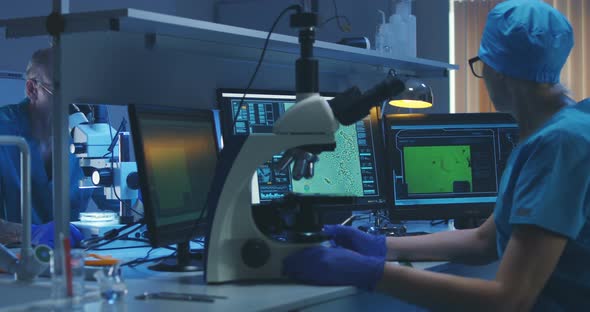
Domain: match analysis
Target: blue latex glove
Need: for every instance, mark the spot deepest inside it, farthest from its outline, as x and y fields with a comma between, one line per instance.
x=334, y=267
x=357, y=240
x=43, y=235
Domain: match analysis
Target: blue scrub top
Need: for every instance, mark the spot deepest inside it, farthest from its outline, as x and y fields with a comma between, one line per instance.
x=15, y=120
x=546, y=183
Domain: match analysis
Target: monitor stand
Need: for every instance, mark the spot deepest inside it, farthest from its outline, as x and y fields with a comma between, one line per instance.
x=185, y=261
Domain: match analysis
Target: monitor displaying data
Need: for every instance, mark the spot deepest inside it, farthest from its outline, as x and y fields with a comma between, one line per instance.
x=351, y=170
x=176, y=151
x=447, y=165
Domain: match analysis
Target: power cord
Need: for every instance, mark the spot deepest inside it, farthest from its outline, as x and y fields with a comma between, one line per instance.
x=112, y=236
x=119, y=248
x=138, y=261
x=438, y=222
x=274, y=24
x=111, y=147
x=344, y=28
x=147, y=244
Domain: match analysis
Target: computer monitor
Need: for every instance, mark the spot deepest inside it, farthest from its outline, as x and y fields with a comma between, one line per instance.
x=353, y=169
x=446, y=166
x=176, y=152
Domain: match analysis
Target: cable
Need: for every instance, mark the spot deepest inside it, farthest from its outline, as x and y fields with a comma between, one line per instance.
x=344, y=28
x=114, y=239
x=133, y=240
x=338, y=17
x=113, y=188
x=112, y=233
x=296, y=8
x=124, y=203
x=109, y=236
x=118, y=248
x=438, y=222
x=138, y=261
x=266, y=41
x=202, y=243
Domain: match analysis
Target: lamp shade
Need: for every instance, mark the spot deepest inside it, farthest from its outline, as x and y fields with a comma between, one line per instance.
x=416, y=95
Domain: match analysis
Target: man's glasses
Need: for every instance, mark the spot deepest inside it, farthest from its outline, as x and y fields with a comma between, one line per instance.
x=43, y=86
x=476, y=66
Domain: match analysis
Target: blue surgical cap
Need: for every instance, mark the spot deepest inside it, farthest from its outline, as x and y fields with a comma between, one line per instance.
x=526, y=39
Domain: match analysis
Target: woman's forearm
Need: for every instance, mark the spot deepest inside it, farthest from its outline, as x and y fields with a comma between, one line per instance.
x=472, y=246
x=439, y=291
x=463, y=246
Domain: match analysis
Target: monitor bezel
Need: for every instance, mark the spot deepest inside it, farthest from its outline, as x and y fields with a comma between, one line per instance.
x=173, y=233
x=438, y=211
x=360, y=203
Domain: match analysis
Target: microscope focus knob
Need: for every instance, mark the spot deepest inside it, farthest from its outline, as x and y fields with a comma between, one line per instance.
x=255, y=253
x=102, y=177
x=133, y=181
x=77, y=148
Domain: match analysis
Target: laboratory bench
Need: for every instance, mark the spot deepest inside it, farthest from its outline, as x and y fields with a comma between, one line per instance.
x=242, y=296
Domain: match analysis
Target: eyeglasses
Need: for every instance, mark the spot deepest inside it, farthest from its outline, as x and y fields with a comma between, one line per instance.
x=476, y=65
x=43, y=86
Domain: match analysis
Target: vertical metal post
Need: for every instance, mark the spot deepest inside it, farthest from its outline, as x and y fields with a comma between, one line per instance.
x=61, y=170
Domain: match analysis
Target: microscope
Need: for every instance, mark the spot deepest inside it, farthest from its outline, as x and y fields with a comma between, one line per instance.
x=244, y=243
x=104, y=156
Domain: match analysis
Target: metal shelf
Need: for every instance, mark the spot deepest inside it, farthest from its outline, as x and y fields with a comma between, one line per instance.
x=226, y=41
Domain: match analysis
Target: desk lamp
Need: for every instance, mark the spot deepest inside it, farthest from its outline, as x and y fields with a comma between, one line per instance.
x=416, y=95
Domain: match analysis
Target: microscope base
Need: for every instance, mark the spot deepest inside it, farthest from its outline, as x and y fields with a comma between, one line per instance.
x=184, y=261
x=172, y=265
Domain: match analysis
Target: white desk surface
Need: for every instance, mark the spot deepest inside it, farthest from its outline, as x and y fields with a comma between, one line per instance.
x=276, y=296
x=269, y=296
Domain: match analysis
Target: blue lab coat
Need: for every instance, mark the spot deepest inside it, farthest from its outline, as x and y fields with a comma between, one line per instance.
x=546, y=183
x=15, y=120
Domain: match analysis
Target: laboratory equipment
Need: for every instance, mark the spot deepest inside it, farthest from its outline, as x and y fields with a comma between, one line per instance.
x=396, y=36
x=77, y=263
x=104, y=157
x=445, y=166
x=353, y=169
x=383, y=34
x=359, y=42
x=176, y=152
x=31, y=262
x=403, y=25
x=236, y=248
x=110, y=283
